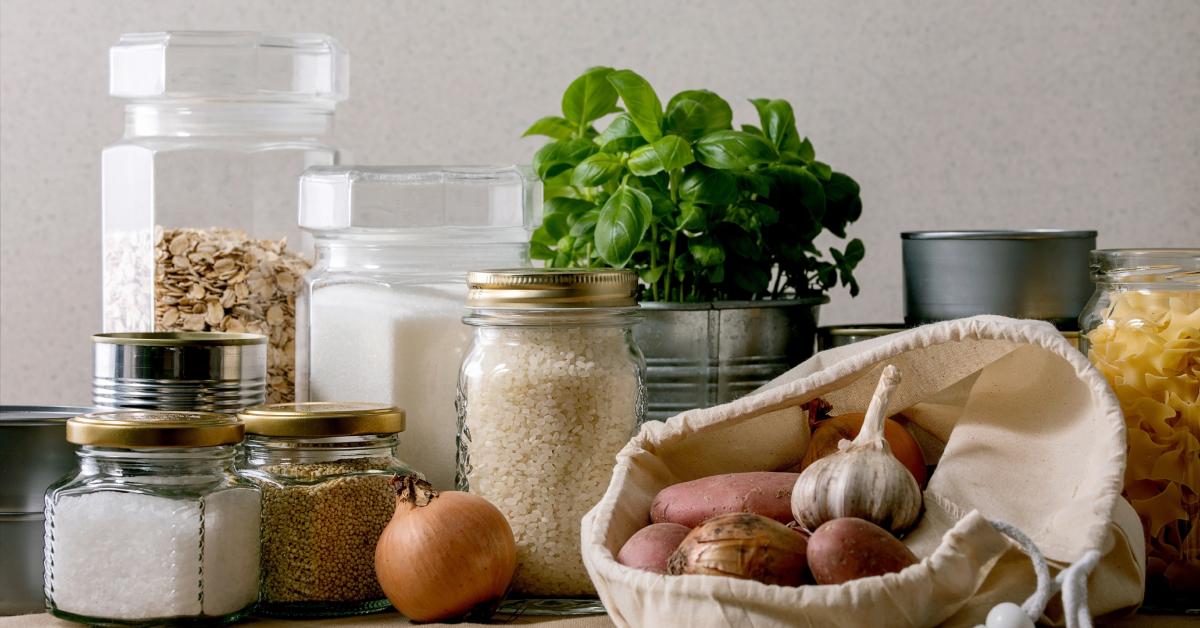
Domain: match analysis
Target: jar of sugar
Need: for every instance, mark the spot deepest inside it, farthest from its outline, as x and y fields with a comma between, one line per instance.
x=326, y=474
x=379, y=316
x=155, y=526
x=551, y=389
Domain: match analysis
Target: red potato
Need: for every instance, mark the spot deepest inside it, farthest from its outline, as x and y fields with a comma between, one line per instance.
x=650, y=547
x=766, y=493
x=849, y=548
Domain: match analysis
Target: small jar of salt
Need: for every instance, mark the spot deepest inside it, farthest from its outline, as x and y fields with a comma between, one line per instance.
x=550, y=390
x=326, y=472
x=156, y=526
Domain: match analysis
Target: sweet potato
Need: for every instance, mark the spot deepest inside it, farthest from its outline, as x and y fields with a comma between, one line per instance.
x=766, y=493
x=650, y=547
x=849, y=548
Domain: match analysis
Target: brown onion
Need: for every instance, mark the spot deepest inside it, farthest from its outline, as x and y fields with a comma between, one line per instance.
x=443, y=554
x=743, y=545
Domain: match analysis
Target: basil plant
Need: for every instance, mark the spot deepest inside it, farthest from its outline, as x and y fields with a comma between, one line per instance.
x=700, y=210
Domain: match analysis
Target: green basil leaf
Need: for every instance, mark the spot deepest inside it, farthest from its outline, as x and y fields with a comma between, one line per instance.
x=706, y=251
x=667, y=153
x=778, y=122
x=561, y=155
x=805, y=150
x=692, y=217
x=540, y=251
x=821, y=170
x=565, y=205
x=843, y=203
x=584, y=225
x=738, y=241
x=695, y=112
x=855, y=252
x=551, y=126
x=622, y=224
x=753, y=130
x=597, y=170
x=641, y=102
x=555, y=224
x=589, y=97
x=751, y=278
x=622, y=135
x=733, y=150
x=652, y=275
x=705, y=185
x=660, y=203
x=755, y=183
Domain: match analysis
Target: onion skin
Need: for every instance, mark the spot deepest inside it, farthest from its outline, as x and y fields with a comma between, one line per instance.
x=745, y=546
x=443, y=553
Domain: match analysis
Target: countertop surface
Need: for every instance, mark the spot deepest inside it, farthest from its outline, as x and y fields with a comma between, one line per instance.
x=595, y=621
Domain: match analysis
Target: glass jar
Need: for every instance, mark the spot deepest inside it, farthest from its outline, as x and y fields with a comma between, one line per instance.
x=380, y=314
x=1142, y=330
x=326, y=474
x=155, y=526
x=551, y=389
x=199, y=196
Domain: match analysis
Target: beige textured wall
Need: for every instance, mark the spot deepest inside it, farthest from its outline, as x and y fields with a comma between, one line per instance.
x=951, y=114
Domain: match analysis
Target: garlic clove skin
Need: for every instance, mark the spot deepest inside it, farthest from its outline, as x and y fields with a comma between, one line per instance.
x=868, y=483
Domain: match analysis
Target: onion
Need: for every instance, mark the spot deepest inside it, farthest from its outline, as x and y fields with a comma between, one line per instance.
x=743, y=545
x=443, y=554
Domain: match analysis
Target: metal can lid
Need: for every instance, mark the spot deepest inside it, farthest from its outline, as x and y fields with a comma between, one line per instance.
x=322, y=418
x=180, y=339
x=154, y=428
x=552, y=288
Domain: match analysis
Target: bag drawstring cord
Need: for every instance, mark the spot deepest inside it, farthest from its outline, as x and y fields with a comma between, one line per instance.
x=1072, y=581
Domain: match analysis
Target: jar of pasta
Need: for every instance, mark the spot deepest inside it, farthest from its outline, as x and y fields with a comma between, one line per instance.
x=1142, y=330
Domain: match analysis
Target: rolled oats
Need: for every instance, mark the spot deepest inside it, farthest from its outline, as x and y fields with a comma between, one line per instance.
x=208, y=280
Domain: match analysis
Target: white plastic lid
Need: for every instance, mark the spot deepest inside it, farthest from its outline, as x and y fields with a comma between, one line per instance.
x=503, y=201
x=229, y=65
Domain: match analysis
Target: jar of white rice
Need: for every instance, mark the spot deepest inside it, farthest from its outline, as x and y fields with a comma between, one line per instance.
x=550, y=390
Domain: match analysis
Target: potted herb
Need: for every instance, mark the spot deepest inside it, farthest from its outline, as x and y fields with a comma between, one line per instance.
x=718, y=222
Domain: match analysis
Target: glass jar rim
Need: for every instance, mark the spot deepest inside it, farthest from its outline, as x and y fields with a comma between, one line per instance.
x=1174, y=266
x=549, y=317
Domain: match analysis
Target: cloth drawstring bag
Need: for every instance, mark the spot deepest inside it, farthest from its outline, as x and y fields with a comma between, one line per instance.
x=1030, y=449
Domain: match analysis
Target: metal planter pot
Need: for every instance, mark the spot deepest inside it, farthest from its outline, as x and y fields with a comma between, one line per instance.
x=703, y=354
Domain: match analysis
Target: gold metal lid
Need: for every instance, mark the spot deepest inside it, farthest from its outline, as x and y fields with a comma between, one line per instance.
x=552, y=288
x=180, y=339
x=323, y=418
x=154, y=428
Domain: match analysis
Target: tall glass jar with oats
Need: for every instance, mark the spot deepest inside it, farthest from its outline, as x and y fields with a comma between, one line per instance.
x=1142, y=330
x=199, y=196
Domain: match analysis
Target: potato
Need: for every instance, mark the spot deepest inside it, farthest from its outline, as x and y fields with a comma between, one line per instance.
x=849, y=548
x=650, y=547
x=766, y=493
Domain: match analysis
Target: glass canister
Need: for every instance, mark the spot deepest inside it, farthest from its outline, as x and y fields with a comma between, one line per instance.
x=199, y=196
x=155, y=527
x=381, y=311
x=551, y=389
x=326, y=474
x=1142, y=330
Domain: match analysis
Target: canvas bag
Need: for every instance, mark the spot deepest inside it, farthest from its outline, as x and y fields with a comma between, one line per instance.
x=1032, y=436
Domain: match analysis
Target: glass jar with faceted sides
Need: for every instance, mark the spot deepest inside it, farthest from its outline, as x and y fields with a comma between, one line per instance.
x=199, y=196
x=326, y=474
x=380, y=314
x=155, y=526
x=550, y=390
x=1142, y=330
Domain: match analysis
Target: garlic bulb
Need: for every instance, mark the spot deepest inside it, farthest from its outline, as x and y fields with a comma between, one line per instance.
x=862, y=479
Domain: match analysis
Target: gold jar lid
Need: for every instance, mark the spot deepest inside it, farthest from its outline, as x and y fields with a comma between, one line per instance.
x=180, y=339
x=552, y=288
x=322, y=418
x=154, y=428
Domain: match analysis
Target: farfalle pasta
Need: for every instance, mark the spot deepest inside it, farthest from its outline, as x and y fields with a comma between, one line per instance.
x=1147, y=344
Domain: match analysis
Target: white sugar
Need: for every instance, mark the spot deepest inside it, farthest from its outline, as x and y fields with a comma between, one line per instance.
x=401, y=346
x=128, y=556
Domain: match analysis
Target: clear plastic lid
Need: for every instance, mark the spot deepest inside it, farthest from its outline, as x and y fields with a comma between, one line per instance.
x=500, y=203
x=229, y=65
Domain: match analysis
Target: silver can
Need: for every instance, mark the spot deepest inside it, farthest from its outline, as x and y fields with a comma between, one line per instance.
x=1036, y=273
x=201, y=371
